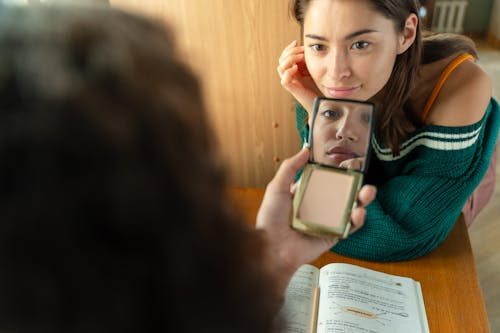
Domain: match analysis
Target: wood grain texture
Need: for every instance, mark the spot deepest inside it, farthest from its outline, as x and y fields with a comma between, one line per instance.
x=452, y=295
x=234, y=48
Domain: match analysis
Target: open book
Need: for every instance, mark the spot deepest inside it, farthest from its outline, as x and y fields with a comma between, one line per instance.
x=348, y=298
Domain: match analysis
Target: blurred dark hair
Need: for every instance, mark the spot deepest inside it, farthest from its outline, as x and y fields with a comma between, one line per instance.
x=112, y=199
x=396, y=116
x=438, y=46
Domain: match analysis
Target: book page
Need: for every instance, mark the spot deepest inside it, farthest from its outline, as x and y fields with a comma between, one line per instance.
x=359, y=300
x=297, y=309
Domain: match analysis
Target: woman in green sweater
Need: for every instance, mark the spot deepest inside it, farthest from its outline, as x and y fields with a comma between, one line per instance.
x=436, y=122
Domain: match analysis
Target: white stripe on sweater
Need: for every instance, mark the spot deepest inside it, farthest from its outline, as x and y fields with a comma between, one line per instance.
x=431, y=140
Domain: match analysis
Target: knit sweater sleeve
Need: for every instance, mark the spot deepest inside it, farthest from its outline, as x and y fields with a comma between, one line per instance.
x=416, y=208
x=301, y=117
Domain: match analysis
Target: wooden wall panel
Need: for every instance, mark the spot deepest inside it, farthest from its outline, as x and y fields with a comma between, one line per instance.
x=234, y=47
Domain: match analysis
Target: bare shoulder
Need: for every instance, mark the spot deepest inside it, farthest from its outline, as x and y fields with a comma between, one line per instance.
x=463, y=98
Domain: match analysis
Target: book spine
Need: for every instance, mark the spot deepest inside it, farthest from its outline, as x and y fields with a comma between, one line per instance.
x=314, y=315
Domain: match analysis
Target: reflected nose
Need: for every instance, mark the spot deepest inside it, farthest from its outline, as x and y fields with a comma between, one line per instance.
x=345, y=131
x=338, y=66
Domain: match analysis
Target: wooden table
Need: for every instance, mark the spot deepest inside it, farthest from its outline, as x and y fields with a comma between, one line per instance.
x=452, y=295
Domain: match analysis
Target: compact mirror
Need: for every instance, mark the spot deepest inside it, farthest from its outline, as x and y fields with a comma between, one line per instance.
x=339, y=138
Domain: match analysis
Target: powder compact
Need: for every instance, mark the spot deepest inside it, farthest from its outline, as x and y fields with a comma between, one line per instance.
x=339, y=139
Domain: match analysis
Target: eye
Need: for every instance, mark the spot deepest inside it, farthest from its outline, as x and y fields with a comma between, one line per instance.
x=317, y=47
x=361, y=45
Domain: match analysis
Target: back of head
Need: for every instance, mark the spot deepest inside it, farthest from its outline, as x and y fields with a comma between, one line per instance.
x=112, y=206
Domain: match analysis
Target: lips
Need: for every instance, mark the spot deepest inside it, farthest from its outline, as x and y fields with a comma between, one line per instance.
x=341, y=92
x=340, y=154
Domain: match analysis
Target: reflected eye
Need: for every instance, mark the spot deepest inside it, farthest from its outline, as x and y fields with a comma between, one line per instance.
x=360, y=45
x=332, y=114
x=365, y=117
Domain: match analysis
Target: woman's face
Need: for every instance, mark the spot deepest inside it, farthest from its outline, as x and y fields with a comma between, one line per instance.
x=350, y=49
x=341, y=134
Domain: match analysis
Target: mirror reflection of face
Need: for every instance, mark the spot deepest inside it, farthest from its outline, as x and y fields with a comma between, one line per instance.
x=341, y=134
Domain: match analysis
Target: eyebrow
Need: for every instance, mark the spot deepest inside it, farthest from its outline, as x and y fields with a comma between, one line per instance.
x=350, y=36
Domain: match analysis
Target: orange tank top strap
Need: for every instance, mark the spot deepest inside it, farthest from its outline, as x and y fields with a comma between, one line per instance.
x=447, y=71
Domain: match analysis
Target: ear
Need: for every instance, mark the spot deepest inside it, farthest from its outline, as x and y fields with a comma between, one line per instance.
x=409, y=33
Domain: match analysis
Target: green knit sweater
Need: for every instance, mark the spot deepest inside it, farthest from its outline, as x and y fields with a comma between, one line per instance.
x=422, y=191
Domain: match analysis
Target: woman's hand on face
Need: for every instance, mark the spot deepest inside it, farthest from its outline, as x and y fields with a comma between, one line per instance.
x=295, y=76
x=291, y=248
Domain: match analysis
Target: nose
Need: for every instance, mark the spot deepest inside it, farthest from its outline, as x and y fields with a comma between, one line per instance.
x=345, y=130
x=338, y=64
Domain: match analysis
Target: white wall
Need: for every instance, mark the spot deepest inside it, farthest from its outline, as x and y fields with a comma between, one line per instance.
x=14, y=2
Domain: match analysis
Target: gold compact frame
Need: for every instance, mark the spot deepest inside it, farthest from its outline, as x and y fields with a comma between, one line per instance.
x=327, y=193
x=315, y=229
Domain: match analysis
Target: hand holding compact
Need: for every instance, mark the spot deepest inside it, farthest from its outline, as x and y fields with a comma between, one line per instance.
x=289, y=248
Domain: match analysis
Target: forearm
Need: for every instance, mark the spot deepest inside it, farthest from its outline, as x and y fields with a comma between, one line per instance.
x=281, y=264
x=401, y=232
